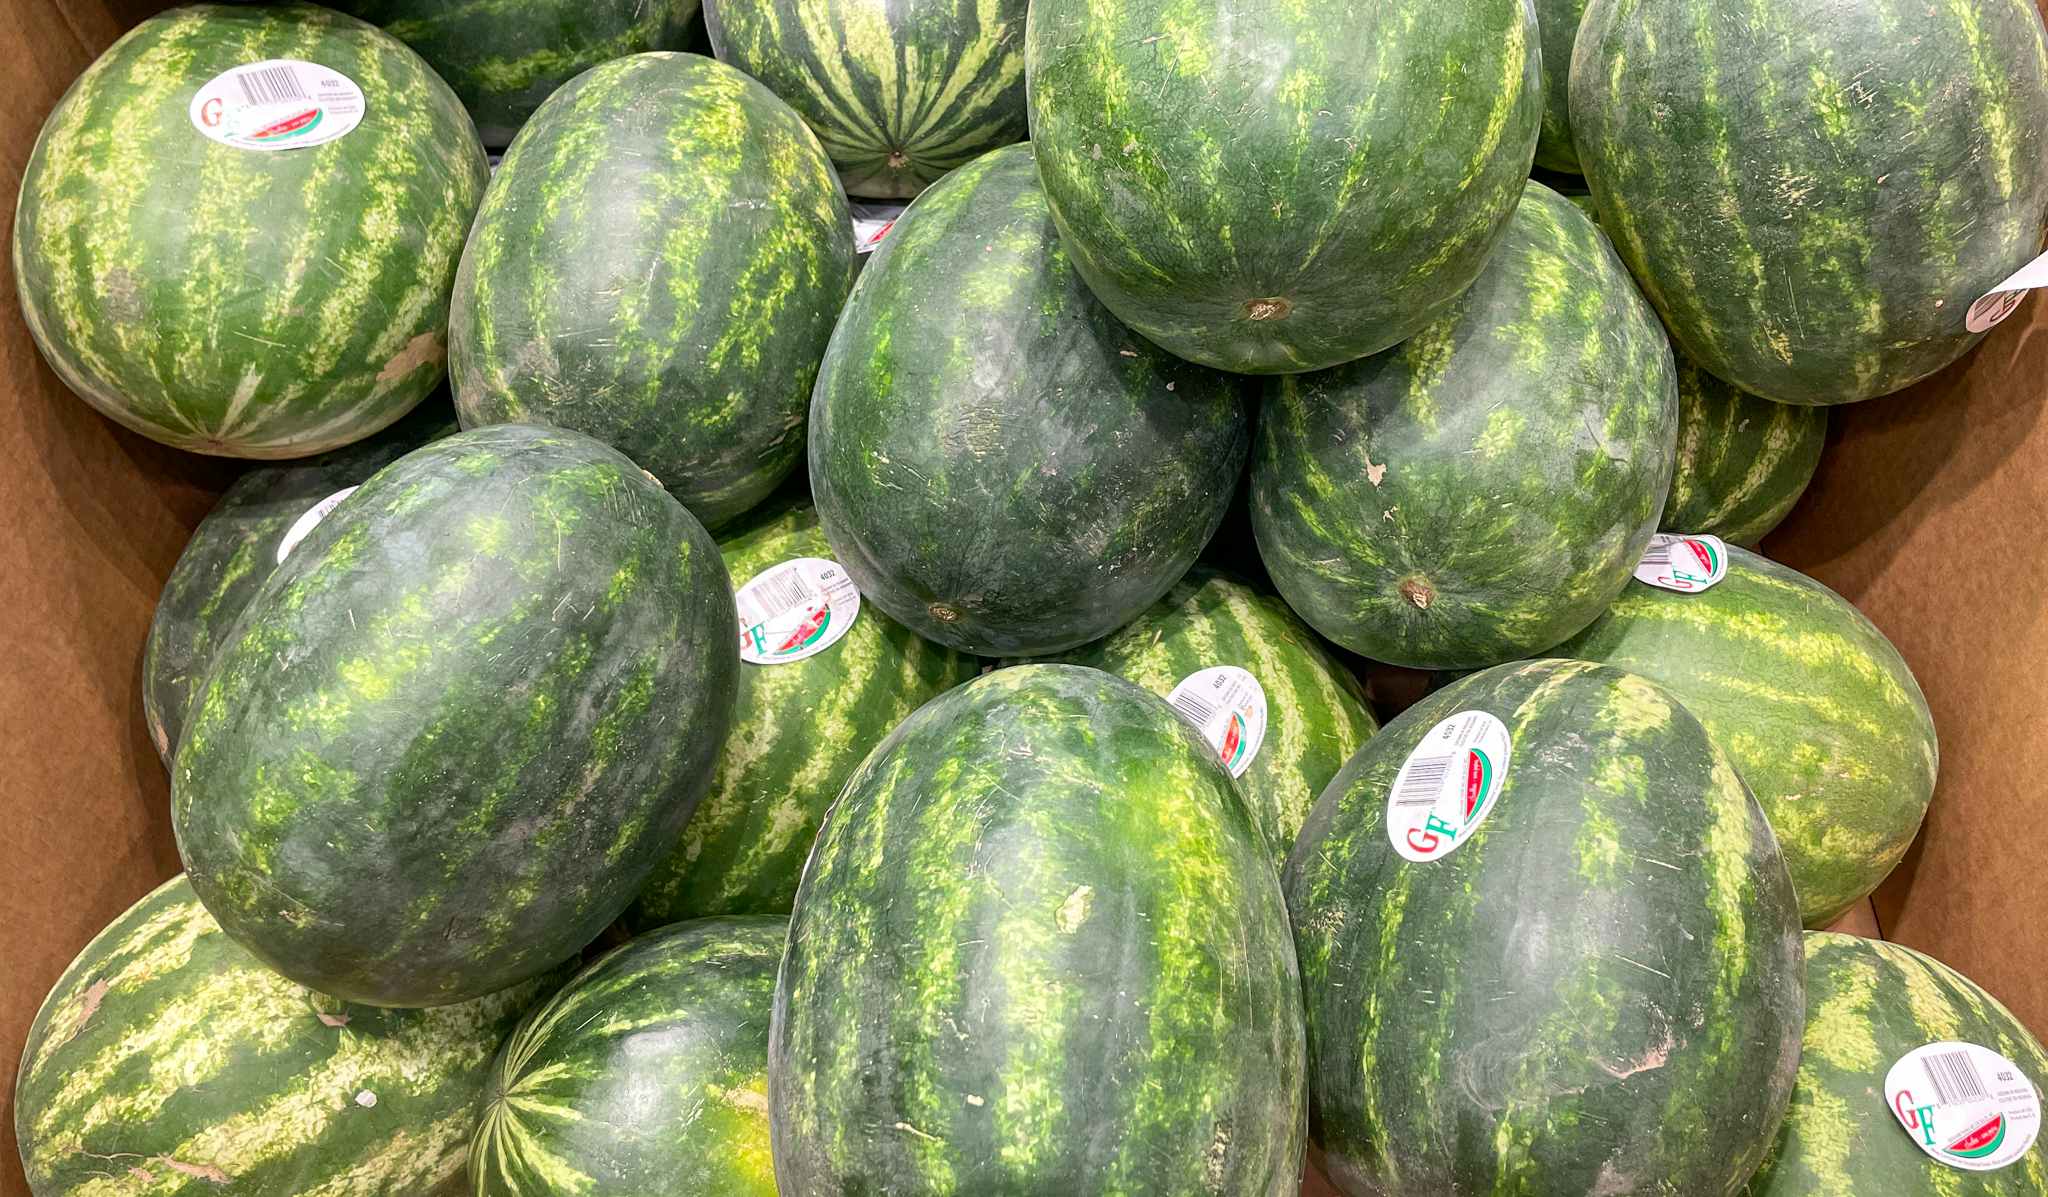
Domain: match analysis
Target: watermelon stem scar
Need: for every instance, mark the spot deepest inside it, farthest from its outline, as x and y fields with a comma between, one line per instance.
x=898, y=160
x=1417, y=591
x=943, y=613
x=1272, y=307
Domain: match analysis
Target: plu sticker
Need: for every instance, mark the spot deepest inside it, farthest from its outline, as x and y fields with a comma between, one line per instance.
x=1686, y=564
x=1965, y=1105
x=1996, y=304
x=1228, y=706
x=304, y=525
x=795, y=610
x=277, y=104
x=1447, y=786
x=871, y=223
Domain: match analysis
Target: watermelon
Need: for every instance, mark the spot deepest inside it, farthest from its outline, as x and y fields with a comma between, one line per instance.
x=1743, y=461
x=1557, y=954
x=1558, y=22
x=1815, y=706
x=1271, y=188
x=236, y=547
x=270, y=299
x=504, y=59
x=1869, y=1003
x=461, y=723
x=169, y=1062
x=899, y=93
x=999, y=464
x=1814, y=195
x=799, y=730
x=1039, y=948
x=1283, y=745
x=658, y=264
x=1484, y=491
x=647, y=1073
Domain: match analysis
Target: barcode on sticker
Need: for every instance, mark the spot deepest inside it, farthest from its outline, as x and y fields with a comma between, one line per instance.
x=773, y=595
x=271, y=85
x=1195, y=707
x=1424, y=781
x=1955, y=1077
x=1657, y=556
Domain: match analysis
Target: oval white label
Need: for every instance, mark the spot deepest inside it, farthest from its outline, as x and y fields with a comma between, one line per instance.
x=1965, y=1105
x=305, y=524
x=1687, y=564
x=278, y=104
x=1228, y=706
x=871, y=223
x=795, y=610
x=1447, y=786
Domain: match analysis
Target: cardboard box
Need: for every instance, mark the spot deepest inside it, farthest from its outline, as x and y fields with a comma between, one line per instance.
x=1930, y=512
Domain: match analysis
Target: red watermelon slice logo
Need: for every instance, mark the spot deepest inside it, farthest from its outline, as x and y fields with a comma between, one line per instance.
x=1981, y=1142
x=1703, y=552
x=1478, y=783
x=1233, y=744
x=291, y=127
x=807, y=633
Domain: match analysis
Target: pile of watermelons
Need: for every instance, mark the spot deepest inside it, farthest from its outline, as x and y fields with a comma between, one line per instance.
x=929, y=707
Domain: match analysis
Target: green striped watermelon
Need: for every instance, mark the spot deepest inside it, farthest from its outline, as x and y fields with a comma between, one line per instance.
x=1868, y=1004
x=504, y=59
x=1558, y=22
x=248, y=302
x=647, y=1073
x=1815, y=706
x=169, y=1062
x=1557, y=956
x=1039, y=948
x=1269, y=187
x=1001, y=465
x=1309, y=716
x=1814, y=195
x=800, y=729
x=900, y=93
x=461, y=723
x=1484, y=491
x=1743, y=461
x=236, y=547
x=658, y=264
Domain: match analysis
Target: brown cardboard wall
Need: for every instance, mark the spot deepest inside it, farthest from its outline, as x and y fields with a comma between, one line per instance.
x=1930, y=512
x=91, y=519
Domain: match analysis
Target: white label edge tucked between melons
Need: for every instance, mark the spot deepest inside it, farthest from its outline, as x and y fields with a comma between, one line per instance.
x=1948, y=1093
x=1228, y=706
x=814, y=586
x=304, y=525
x=1448, y=785
x=1658, y=568
x=277, y=104
x=1995, y=305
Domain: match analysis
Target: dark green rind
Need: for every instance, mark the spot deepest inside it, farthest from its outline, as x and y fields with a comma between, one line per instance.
x=1485, y=490
x=1869, y=1003
x=1815, y=706
x=1743, y=461
x=658, y=264
x=898, y=93
x=1558, y=22
x=1814, y=195
x=235, y=548
x=1000, y=464
x=462, y=722
x=1357, y=162
x=799, y=731
x=646, y=1074
x=504, y=59
x=1315, y=710
x=1598, y=992
x=169, y=1062
x=243, y=302
x=1039, y=949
